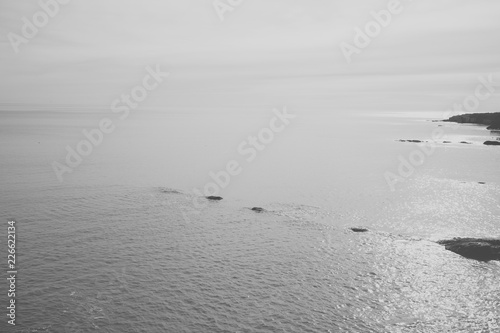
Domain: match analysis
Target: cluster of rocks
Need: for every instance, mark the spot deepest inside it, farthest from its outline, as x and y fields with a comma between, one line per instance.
x=415, y=141
x=216, y=198
x=421, y=141
x=482, y=249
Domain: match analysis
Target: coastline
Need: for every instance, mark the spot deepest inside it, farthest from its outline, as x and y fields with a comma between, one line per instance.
x=492, y=120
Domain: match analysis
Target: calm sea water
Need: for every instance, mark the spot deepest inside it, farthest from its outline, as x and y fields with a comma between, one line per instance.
x=119, y=245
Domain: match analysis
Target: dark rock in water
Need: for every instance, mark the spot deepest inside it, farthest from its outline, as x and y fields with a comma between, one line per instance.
x=481, y=183
x=492, y=143
x=359, y=229
x=446, y=141
x=415, y=141
x=482, y=249
x=465, y=142
x=215, y=198
x=258, y=209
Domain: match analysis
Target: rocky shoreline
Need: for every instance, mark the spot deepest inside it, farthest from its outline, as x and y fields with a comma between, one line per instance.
x=492, y=120
x=482, y=249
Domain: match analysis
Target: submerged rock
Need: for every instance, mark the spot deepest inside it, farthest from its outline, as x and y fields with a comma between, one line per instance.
x=492, y=143
x=359, y=229
x=215, y=198
x=258, y=209
x=169, y=190
x=482, y=249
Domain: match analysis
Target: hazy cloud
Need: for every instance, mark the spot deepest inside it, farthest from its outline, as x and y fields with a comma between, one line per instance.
x=93, y=49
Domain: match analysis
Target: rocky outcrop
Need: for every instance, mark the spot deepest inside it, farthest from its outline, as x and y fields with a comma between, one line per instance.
x=492, y=120
x=482, y=249
x=492, y=143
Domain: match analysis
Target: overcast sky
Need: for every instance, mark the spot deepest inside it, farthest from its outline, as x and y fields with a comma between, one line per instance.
x=93, y=50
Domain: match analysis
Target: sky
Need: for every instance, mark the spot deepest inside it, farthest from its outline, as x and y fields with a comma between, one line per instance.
x=429, y=54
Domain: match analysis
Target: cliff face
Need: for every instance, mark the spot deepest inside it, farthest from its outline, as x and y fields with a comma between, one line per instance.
x=492, y=120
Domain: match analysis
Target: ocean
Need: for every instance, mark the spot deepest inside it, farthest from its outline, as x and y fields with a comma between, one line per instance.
x=122, y=239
